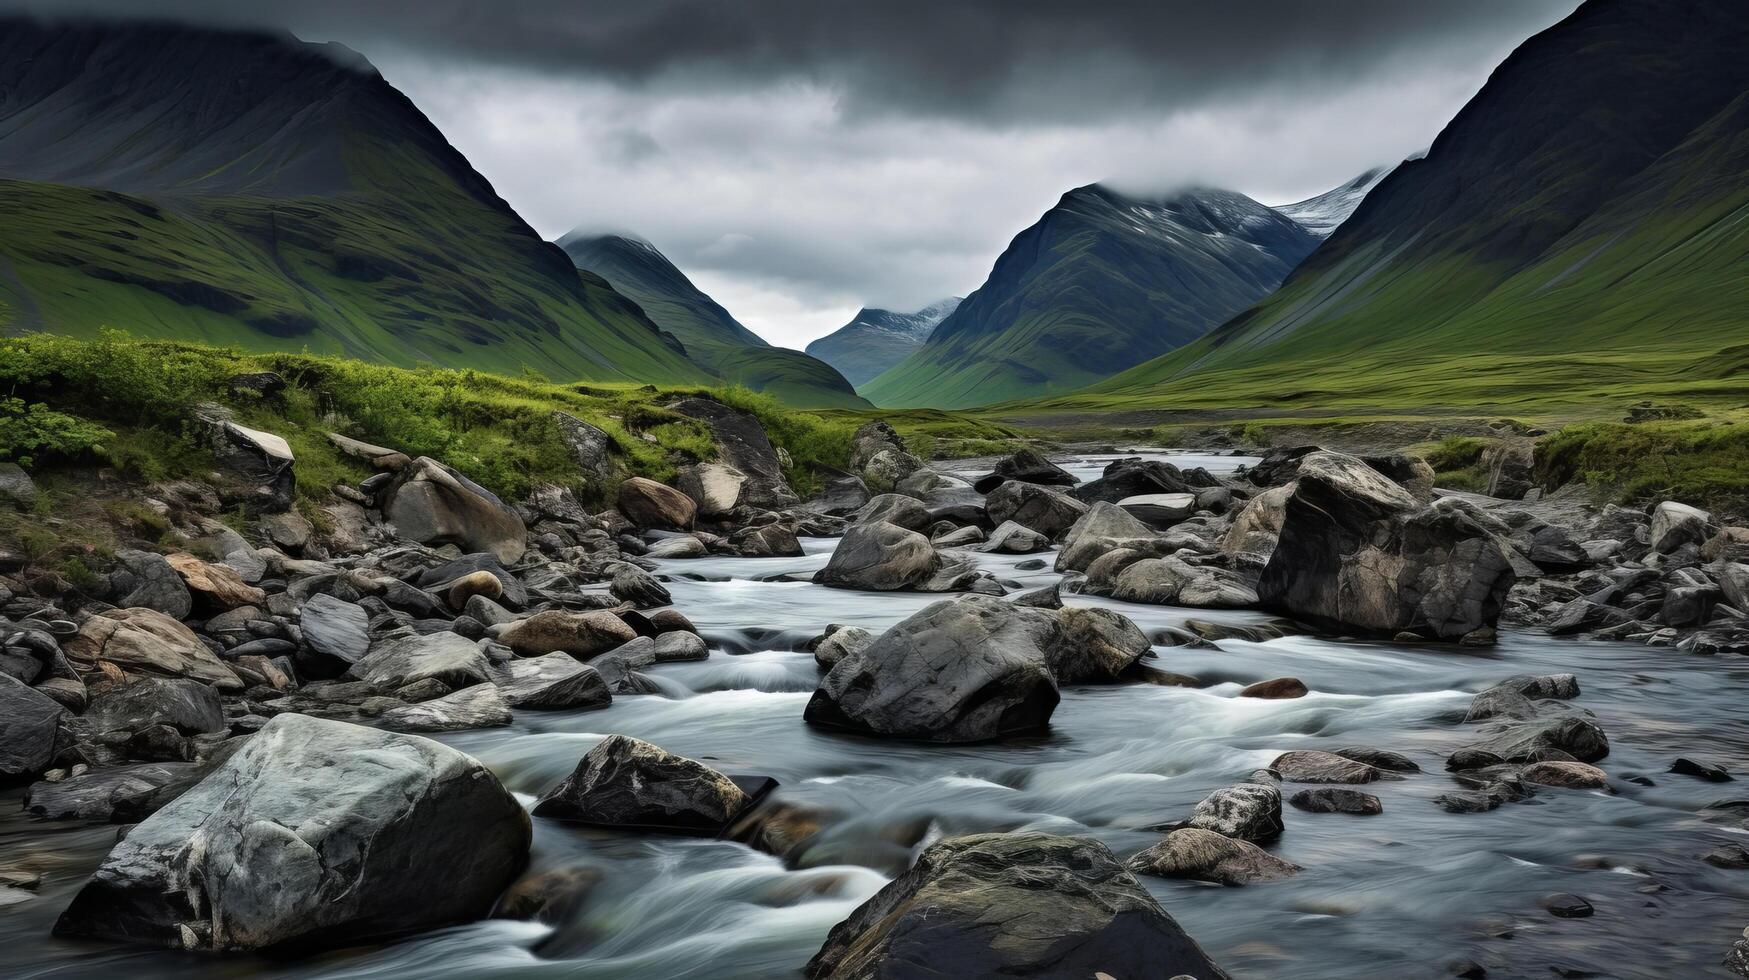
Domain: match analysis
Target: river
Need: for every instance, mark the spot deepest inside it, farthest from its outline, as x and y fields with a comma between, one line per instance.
x=1403, y=894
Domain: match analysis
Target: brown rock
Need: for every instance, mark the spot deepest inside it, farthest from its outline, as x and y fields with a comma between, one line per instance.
x=1280, y=688
x=581, y=635
x=146, y=641
x=1572, y=775
x=647, y=503
x=215, y=588
x=472, y=584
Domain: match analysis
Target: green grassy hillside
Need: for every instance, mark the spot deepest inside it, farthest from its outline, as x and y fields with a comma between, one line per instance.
x=1100, y=283
x=305, y=205
x=1575, y=241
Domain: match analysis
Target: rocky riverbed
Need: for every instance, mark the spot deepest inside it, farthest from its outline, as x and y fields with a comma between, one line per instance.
x=1286, y=716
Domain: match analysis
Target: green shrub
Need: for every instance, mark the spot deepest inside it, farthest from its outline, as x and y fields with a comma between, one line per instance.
x=1701, y=463
x=33, y=432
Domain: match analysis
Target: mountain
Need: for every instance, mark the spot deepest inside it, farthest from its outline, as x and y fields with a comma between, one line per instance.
x=1100, y=283
x=1322, y=214
x=875, y=340
x=1575, y=238
x=714, y=340
x=252, y=190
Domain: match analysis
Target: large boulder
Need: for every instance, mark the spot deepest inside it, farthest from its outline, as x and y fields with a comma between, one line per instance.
x=554, y=682
x=1172, y=581
x=1255, y=529
x=965, y=670
x=895, y=508
x=433, y=504
x=1509, y=464
x=30, y=724
x=1094, y=644
x=649, y=504
x=1160, y=510
x=880, y=557
x=1105, y=527
x=1130, y=477
x=580, y=634
x=1011, y=905
x=1356, y=552
x=743, y=445
x=1027, y=466
x=451, y=658
x=146, y=641
x=840, y=497
x=336, y=632
x=1203, y=855
x=480, y=706
x=1674, y=525
x=188, y=706
x=1042, y=509
x=1250, y=810
x=714, y=487
x=314, y=834
x=590, y=448
x=144, y=580
x=627, y=783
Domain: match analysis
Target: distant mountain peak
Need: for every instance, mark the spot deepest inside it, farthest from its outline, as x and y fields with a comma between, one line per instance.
x=1326, y=212
x=876, y=339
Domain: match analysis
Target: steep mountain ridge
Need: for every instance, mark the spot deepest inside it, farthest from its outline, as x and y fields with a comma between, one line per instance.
x=714, y=340
x=303, y=202
x=876, y=339
x=1324, y=213
x=1577, y=233
x=1101, y=282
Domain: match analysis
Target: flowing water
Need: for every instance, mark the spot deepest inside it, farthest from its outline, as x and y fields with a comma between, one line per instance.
x=1403, y=894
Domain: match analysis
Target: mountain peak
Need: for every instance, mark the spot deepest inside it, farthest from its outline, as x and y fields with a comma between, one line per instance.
x=876, y=339
x=1325, y=212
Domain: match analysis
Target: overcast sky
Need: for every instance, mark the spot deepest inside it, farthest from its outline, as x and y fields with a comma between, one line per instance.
x=802, y=158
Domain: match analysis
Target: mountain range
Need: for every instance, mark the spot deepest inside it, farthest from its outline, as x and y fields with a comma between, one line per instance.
x=301, y=203
x=713, y=339
x=876, y=339
x=1578, y=231
x=1102, y=281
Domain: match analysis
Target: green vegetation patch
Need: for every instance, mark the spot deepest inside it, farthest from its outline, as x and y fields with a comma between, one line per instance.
x=1704, y=463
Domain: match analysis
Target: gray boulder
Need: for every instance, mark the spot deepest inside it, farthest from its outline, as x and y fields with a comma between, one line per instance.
x=965, y=670
x=1042, y=509
x=16, y=486
x=142, y=579
x=1509, y=463
x=1356, y=552
x=453, y=659
x=1313, y=766
x=1011, y=905
x=638, y=587
x=1094, y=644
x=647, y=503
x=590, y=448
x=1105, y=527
x=433, y=504
x=881, y=557
x=1674, y=525
x=1250, y=810
x=1026, y=466
x=840, y=643
x=480, y=706
x=1011, y=538
x=553, y=682
x=30, y=723
x=315, y=833
x=1160, y=510
x=336, y=632
x=714, y=487
x=115, y=794
x=743, y=445
x=841, y=496
x=627, y=783
x=1554, y=736
x=1203, y=855
x=186, y=705
x=897, y=509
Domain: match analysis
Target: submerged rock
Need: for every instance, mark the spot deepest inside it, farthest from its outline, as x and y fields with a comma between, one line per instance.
x=1204, y=855
x=1330, y=800
x=1020, y=904
x=1312, y=766
x=316, y=833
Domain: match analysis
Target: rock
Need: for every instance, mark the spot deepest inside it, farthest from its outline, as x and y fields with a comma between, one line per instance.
x=841, y=496
x=314, y=833
x=1049, y=597
x=890, y=467
x=381, y=458
x=1567, y=906
x=16, y=487
x=896, y=509
x=551, y=898
x=105, y=795
x=1041, y=509
x=1278, y=688
x=961, y=537
x=481, y=583
x=1704, y=770
x=965, y=670
x=143, y=580
x=1170, y=581
x=880, y=557
x=1733, y=580
x=670, y=621
x=1160, y=510
x=675, y=647
x=636, y=586
x=1357, y=553
x=1559, y=737
x=678, y=548
x=149, y=642
x=1025, y=466
x=480, y=706
x=186, y=705
x=29, y=730
x=289, y=530
x=214, y=588
x=590, y=448
x=769, y=541
x=1313, y=766
x=1674, y=525
x=1103, y=528
x=1095, y=644
x=1257, y=527
x=1014, y=905
x=1730, y=856
x=337, y=634
x=1133, y=477
x=840, y=643
x=433, y=504
x=447, y=657
x=1010, y=538
x=649, y=504
x=633, y=785
x=553, y=682
x=1379, y=759
x=1244, y=811
x=260, y=460
x=714, y=487
x=1572, y=775
x=1203, y=855
x=581, y=635
x=742, y=444
x=68, y=692
x=1508, y=463
x=1330, y=800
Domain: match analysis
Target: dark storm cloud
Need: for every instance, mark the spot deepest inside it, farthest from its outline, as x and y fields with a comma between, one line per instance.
x=992, y=61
